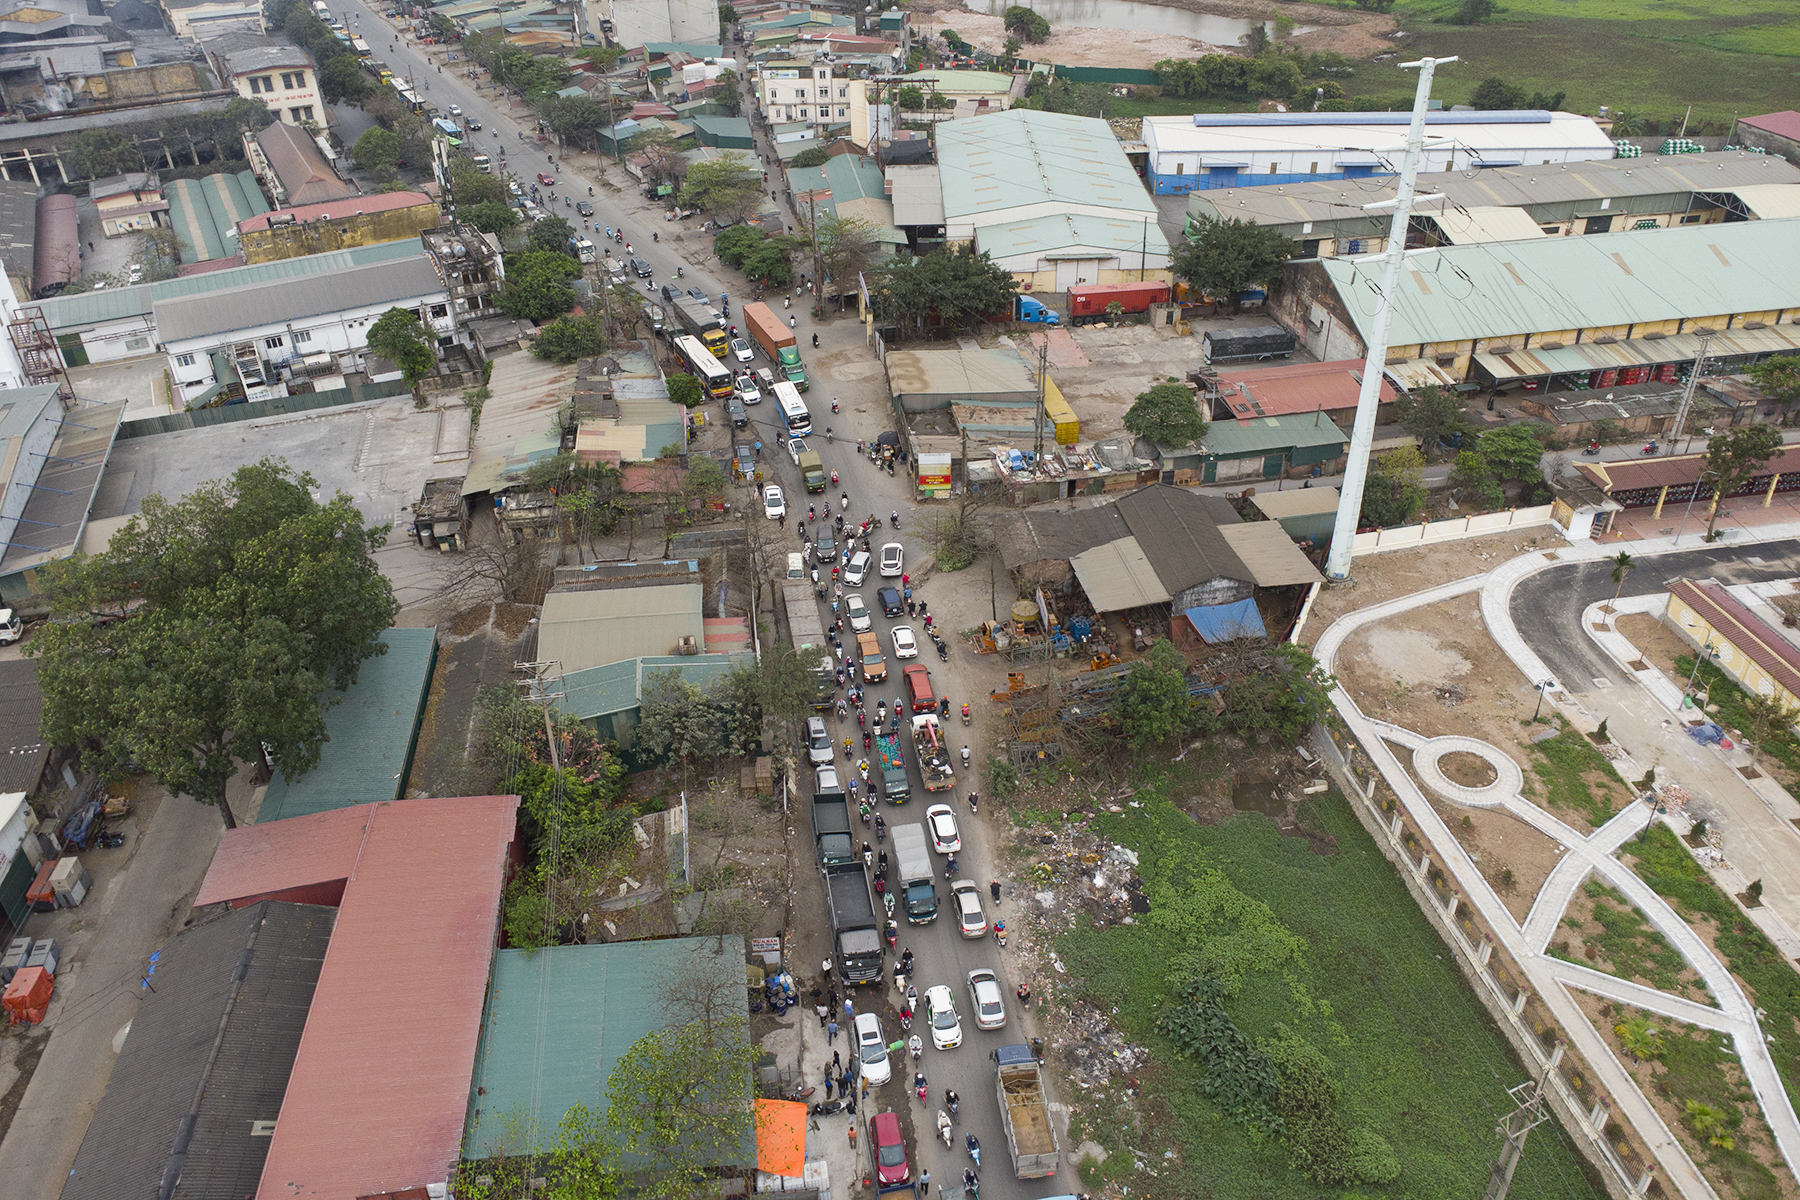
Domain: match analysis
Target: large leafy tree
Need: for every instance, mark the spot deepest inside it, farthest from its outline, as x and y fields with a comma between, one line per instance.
x=1026, y=23
x=1779, y=377
x=1512, y=452
x=1430, y=414
x=400, y=337
x=728, y=187
x=1496, y=93
x=471, y=185
x=568, y=338
x=490, y=216
x=1225, y=256
x=1733, y=459
x=342, y=79
x=97, y=153
x=550, y=235
x=1167, y=415
x=960, y=286
x=844, y=246
x=378, y=152
x=537, y=285
x=1153, y=703
x=210, y=630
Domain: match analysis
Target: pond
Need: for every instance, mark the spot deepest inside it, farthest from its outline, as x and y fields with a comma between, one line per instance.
x=1127, y=14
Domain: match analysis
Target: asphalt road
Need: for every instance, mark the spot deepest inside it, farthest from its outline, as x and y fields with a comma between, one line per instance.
x=1547, y=607
x=941, y=954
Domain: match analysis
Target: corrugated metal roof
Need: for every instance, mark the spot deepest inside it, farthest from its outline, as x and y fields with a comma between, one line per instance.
x=406, y=282
x=1179, y=531
x=531, y=1071
x=1785, y=123
x=518, y=424
x=957, y=373
x=381, y=1083
x=1487, y=223
x=918, y=195
x=205, y=212
x=1296, y=502
x=1456, y=293
x=370, y=732
x=1266, y=548
x=62, y=492
x=1118, y=576
x=356, y=206
x=215, y=1043
x=1078, y=235
x=83, y=311
x=1635, y=352
x=591, y=629
x=1030, y=537
x=1022, y=157
x=1747, y=633
x=23, y=752
x=1485, y=133
x=1228, y=439
x=1294, y=388
x=1769, y=201
x=300, y=165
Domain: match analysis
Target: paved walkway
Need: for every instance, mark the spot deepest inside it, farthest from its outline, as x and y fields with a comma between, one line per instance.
x=1550, y=978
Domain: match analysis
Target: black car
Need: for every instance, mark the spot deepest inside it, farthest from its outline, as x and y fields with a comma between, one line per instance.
x=584, y=208
x=825, y=549
x=641, y=267
x=889, y=599
x=739, y=417
x=697, y=294
x=474, y=125
x=671, y=293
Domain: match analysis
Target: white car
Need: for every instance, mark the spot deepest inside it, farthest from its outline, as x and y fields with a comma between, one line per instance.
x=746, y=390
x=990, y=1005
x=456, y=110
x=826, y=780
x=941, y=820
x=857, y=569
x=940, y=1014
x=857, y=613
x=969, y=917
x=796, y=447
x=740, y=350
x=893, y=556
x=905, y=645
x=774, y=503
x=871, y=1048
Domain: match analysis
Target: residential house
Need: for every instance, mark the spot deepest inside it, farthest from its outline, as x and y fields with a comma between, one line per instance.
x=282, y=76
x=129, y=203
x=294, y=166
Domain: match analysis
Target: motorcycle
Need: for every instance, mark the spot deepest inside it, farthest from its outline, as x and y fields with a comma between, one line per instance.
x=943, y=1127
x=966, y=717
x=1593, y=448
x=655, y=236
x=1651, y=448
x=894, y=518
x=915, y=1047
x=827, y=1108
x=920, y=1085
x=834, y=401
x=1000, y=932
x=952, y=1102
x=815, y=341
x=893, y=930
x=880, y=828
x=950, y=867
x=889, y=900
x=863, y=808
x=973, y=1145
x=974, y=806
x=678, y=272
x=943, y=653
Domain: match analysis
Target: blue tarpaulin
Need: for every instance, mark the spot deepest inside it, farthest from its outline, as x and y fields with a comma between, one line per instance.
x=1226, y=622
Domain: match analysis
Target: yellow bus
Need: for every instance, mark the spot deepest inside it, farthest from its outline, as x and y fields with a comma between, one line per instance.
x=711, y=373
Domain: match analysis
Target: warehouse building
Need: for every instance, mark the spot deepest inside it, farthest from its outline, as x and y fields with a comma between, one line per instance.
x=1566, y=313
x=1236, y=150
x=1329, y=219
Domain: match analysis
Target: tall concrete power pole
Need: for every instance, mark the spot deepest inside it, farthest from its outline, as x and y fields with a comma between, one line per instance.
x=1356, y=469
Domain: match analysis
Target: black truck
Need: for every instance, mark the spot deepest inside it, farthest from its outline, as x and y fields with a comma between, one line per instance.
x=831, y=829
x=855, y=931
x=1243, y=345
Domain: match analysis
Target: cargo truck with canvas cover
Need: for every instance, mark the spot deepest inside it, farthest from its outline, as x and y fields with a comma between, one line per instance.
x=892, y=765
x=807, y=633
x=918, y=885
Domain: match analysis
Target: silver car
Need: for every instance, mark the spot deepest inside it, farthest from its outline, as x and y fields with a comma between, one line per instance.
x=990, y=1005
x=871, y=1048
x=818, y=742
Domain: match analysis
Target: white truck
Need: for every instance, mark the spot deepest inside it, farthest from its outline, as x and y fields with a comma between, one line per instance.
x=582, y=249
x=11, y=628
x=918, y=886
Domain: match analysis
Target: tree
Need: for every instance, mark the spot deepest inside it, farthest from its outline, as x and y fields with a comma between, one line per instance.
x=661, y=153
x=207, y=632
x=1474, y=12
x=1733, y=459
x=569, y=338
x=1430, y=414
x=1014, y=44
x=1167, y=415
x=678, y=721
x=1622, y=565
x=470, y=185
x=844, y=246
x=685, y=390
x=378, y=152
x=959, y=285
x=1628, y=123
x=1395, y=490
x=1639, y=1037
x=1513, y=452
x=1025, y=23
x=1222, y=257
x=725, y=93
x=1779, y=377
x=342, y=80
x=1709, y=1123
x=1495, y=92
x=728, y=186
x=589, y=494
x=490, y=216
x=770, y=263
x=1552, y=102
x=1274, y=76
x=400, y=337
x=576, y=119
x=550, y=235
x=97, y=153
x=537, y=285
x=1153, y=703
x=1256, y=40
x=910, y=98
x=816, y=156
x=1285, y=694
x=158, y=253
x=1472, y=475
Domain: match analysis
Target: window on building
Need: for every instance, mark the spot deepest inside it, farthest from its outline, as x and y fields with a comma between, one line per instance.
x=1313, y=170
x=267, y=82
x=274, y=343
x=302, y=336
x=843, y=112
x=440, y=311
x=1692, y=218
x=184, y=360
x=843, y=93
x=303, y=113
x=803, y=114
x=1272, y=167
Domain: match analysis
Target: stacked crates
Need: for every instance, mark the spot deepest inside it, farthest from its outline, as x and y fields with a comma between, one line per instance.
x=1681, y=146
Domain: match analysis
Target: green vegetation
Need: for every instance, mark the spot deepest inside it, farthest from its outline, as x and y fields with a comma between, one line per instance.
x=1740, y=710
x=1168, y=415
x=1265, y=958
x=569, y=338
x=400, y=337
x=1561, y=764
x=1625, y=944
x=958, y=286
x=762, y=259
x=537, y=285
x=1395, y=490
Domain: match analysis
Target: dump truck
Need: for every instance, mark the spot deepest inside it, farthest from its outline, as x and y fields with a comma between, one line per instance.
x=1019, y=1083
x=808, y=635
x=703, y=321
x=874, y=667
x=777, y=341
x=831, y=829
x=918, y=886
x=934, y=755
x=892, y=765
x=1259, y=343
x=812, y=470
x=1088, y=301
x=855, y=933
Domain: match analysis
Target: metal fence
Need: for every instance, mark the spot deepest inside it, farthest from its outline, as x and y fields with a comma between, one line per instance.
x=277, y=407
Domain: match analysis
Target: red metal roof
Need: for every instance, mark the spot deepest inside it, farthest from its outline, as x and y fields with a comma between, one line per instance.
x=332, y=209
x=1748, y=633
x=381, y=1084
x=1295, y=388
x=1783, y=124
x=1656, y=471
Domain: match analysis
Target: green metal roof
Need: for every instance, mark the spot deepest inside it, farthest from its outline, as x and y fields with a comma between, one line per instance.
x=968, y=82
x=87, y=309
x=370, y=730
x=204, y=212
x=1045, y=236
x=559, y=1019
x=1262, y=435
x=616, y=687
x=1023, y=157
x=1458, y=293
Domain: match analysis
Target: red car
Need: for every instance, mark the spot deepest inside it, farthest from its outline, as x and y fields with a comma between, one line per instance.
x=888, y=1149
x=546, y=180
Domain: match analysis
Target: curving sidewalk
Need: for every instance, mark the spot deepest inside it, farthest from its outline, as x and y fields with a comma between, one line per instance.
x=1549, y=977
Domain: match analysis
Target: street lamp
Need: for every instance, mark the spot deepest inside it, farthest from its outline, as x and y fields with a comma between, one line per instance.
x=1655, y=799
x=1542, y=687
x=1707, y=651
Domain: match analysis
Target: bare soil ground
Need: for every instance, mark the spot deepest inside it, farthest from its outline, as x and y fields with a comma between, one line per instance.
x=1513, y=857
x=1377, y=578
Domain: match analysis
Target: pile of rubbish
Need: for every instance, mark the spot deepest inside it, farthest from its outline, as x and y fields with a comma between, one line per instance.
x=1095, y=1048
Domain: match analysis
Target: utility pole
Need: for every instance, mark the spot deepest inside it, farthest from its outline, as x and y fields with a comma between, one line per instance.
x=1043, y=377
x=1679, y=428
x=1529, y=1097
x=538, y=694
x=1362, y=436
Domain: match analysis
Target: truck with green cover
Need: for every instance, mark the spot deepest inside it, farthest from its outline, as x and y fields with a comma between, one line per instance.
x=812, y=470
x=892, y=764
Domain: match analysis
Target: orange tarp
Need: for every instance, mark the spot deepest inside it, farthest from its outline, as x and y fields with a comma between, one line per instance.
x=28, y=995
x=780, y=1137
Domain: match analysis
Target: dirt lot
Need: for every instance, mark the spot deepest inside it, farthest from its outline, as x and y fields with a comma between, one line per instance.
x=1377, y=578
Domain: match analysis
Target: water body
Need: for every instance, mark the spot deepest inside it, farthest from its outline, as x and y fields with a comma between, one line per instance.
x=1128, y=14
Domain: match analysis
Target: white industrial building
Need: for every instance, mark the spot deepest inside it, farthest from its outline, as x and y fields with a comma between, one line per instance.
x=265, y=336
x=1234, y=150
x=640, y=22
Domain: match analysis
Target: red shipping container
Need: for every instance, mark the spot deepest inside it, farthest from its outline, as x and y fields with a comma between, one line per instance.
x=1091, y=299
x=27, y=996
x=40, y=895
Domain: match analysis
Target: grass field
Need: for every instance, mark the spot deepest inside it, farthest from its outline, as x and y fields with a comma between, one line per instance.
x=1371, y=987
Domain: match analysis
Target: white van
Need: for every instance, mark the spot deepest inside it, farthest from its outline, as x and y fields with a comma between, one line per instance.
x=796, y=566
